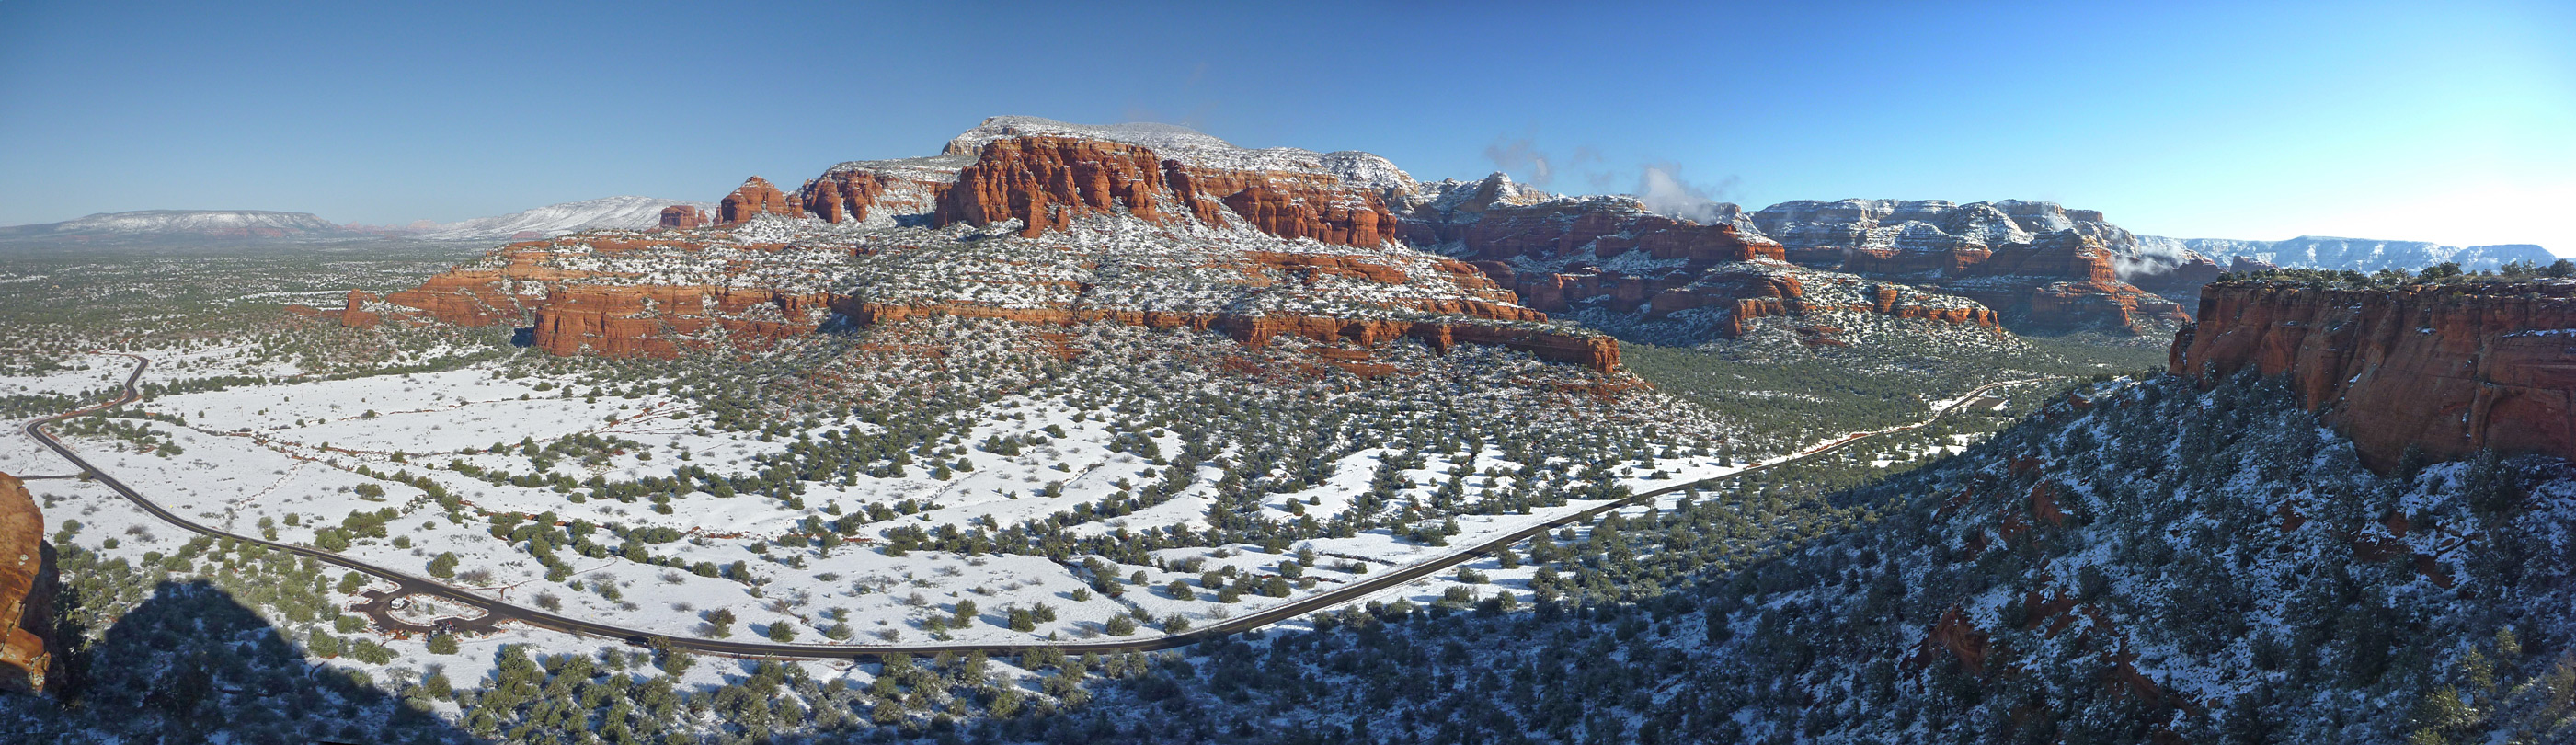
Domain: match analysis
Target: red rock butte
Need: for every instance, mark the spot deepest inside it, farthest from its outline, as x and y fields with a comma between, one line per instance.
x=2445, y=368
x=682, y=217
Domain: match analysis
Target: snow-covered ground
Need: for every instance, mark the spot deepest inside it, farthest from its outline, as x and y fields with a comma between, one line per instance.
x=294, y=458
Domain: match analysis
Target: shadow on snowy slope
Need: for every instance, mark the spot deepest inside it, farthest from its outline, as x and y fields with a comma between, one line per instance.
x=192, y=664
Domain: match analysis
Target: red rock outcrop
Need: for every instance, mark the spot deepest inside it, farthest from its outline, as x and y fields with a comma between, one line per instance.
x=2044, y=267
x=1957, y=637
x=27, y=587
x=841, y=196
x=682, y=217
x=1747, y=290
x=1685, y=265
x=1307, y=214
x=2063, y=281
x=651, y=320
x=1047, y=181
x=754, y=198
x=2446, y=368
x=1595, y=228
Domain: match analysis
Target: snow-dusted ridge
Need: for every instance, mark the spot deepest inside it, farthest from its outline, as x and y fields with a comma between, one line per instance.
x=182, y=225
x=620, y=212
x=2358, y=254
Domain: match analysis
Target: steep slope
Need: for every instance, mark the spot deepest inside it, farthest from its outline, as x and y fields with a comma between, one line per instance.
x=622, y=213
x=2154, y=562
x=180, y=227
x=2446, y=369
x=2357, y=254
x=2144, y=562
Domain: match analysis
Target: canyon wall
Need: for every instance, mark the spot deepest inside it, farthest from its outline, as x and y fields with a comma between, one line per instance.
x=27, y=588
x=2447, y=368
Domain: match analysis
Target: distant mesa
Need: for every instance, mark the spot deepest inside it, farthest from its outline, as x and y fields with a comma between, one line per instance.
x=2357, y=254
x=181, y=227
x=187, y=228
x=609, y=213
x=27, y=587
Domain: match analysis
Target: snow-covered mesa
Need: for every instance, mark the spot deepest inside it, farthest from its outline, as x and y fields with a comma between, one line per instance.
x=623, y=212
x=183, y=222
x=2358, y=254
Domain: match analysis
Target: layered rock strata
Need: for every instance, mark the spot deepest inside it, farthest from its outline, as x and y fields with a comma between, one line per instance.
x=2447, y=369
x=1611, y=253
x=27, y=588
x=2062, y=281
x=2045, y=267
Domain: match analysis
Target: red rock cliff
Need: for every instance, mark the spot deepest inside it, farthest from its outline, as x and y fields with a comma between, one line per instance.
x=1048, y=181
x=2446, y=368
x=27, y=584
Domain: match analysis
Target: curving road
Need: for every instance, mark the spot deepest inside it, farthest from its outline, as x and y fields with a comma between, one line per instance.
x=497, y=611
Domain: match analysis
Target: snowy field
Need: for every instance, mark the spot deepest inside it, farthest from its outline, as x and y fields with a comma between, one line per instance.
x=293, y=460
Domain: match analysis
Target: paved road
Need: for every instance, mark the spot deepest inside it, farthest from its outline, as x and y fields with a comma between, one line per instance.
x=496, y=611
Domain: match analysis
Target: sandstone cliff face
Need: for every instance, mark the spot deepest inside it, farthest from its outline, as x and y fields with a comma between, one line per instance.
x=1047, y=181
x=27, y=586
x=2449, y=369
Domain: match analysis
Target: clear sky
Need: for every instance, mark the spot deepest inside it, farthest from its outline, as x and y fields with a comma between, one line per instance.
x=2451, y=122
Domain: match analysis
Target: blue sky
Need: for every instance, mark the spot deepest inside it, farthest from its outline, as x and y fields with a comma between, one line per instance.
x=2451, y=122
